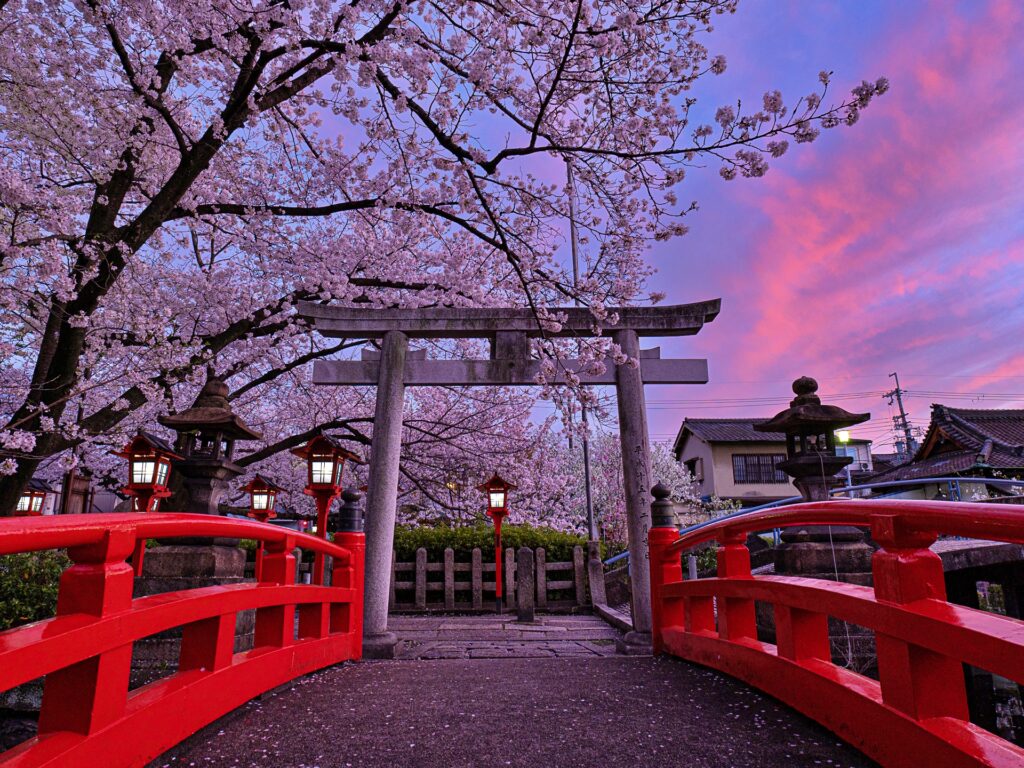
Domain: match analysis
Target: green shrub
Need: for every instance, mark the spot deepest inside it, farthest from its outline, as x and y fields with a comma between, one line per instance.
x=28, y=586
x=557, y=545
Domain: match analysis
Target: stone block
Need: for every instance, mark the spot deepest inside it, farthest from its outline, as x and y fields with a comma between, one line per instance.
x=525, y=588
x=184, y=561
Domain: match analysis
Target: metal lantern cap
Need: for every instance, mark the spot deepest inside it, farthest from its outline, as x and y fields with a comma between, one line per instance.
x=260, y=483
x=496, y=483
x=807, y=416
x=145, y=444
x=326, y=443
x=497, y=492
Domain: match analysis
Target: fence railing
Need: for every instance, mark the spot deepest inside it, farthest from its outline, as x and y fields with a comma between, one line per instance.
x=447, y=585
x=89, y=716
x=916, y=712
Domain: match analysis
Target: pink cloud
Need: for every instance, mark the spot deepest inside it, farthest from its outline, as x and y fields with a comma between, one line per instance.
x=887, y=221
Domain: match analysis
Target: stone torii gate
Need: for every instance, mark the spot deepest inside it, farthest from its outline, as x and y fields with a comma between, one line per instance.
x=509, y=330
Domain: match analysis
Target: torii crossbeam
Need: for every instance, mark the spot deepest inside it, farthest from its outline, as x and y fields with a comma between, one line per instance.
x=511, y=364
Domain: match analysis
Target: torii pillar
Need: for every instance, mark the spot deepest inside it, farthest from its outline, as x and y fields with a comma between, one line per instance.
x=382, y=495
x=509, y=331
x=636, y=484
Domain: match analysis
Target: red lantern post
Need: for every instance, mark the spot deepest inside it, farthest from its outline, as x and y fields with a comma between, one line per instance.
x=325, y=459
x=149, y=472
x=497, y=507
x=262, y=496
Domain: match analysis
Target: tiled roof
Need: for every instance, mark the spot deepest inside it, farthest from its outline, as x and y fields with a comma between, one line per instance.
x=973, y=426
x=726, y=431
x=36, y=484
x=731, y=431
x=884, y=461
x=158, y=442
x=960, y=439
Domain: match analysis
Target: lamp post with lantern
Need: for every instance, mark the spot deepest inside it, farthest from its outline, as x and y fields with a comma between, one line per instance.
x=262, y=497
x=149, y=472
x=497, y=490
x=325, y=460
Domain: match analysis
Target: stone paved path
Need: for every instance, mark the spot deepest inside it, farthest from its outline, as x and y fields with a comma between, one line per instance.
x=619, y=712
x=502, y=637
x=574, y=709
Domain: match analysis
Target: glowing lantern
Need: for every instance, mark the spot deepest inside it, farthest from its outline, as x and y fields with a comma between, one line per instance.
x=149, y=471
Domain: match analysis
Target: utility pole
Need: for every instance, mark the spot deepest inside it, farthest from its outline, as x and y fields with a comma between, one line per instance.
x=901, y=422
x=574, y=242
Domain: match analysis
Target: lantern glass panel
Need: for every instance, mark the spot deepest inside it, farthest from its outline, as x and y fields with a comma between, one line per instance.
x=322, y=469
x=142, y=470
x=162, y=470
x=23, y=503
x=261, y=499
x=497, y=499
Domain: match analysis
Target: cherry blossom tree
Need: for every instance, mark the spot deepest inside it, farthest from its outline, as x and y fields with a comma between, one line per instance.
x=174, y=177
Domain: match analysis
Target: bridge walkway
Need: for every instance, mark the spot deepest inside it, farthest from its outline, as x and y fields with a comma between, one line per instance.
x=481, y=691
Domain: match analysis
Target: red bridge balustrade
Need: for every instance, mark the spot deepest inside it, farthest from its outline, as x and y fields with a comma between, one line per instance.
x=915, y=714
x=89, y=717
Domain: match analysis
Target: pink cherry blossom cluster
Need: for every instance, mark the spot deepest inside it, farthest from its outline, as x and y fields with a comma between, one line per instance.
x=176, y=177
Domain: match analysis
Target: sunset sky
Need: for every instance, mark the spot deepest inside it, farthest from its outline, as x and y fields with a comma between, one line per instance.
x=894, y=245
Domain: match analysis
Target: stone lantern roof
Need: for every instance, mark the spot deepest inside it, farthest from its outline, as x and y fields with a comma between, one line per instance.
x=211, y=412
x=807, y=416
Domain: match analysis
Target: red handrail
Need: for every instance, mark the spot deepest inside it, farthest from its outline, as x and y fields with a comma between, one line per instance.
x=89, y=717
x=916, y=712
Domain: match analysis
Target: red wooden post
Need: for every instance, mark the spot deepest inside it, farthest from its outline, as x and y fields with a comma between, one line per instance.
x=91, y=694
x=736, y=620
x=352, y=577
x=916, y=681
x=259, y=561
x=323, y=506
x=700, y=615
x=497, y=561
x=137, y=556
x=275, y=625
x=207, y=645
x=666, y=568
x=801, y=635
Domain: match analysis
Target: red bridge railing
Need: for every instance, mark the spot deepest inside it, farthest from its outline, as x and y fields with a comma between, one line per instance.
x=915, y=714
x=89, y=716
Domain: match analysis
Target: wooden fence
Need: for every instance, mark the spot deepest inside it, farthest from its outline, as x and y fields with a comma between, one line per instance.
x=452, y=586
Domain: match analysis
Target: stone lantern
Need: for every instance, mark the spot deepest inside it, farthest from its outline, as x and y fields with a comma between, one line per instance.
x=204, y=470
x=206, y=442
x=810, y=429
x=831, y=552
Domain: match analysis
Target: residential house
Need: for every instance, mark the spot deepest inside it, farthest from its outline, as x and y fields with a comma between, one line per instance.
x=732, y=461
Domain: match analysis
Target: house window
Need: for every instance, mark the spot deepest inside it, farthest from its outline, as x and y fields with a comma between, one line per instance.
x=751, y=468
x=695, y=467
